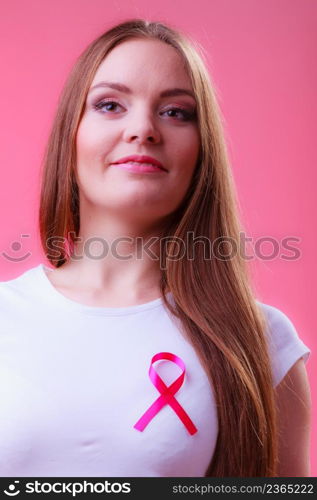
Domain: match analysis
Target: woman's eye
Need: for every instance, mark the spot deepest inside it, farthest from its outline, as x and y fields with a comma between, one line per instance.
x=107, y=105
x=180, y=113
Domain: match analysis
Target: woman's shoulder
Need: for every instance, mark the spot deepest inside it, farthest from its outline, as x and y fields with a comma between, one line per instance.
x=277, y=319
x=285, y=343
x=19, y=285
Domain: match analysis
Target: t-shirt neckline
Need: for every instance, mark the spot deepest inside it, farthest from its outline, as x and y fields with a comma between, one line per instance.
x=94, y=310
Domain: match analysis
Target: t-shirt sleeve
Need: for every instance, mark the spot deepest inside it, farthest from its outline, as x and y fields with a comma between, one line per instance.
x=285, y=345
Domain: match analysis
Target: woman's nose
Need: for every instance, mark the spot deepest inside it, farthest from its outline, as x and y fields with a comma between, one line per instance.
x=142, y=129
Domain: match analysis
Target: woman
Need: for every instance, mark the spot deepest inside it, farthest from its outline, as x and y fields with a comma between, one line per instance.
x=133, y=356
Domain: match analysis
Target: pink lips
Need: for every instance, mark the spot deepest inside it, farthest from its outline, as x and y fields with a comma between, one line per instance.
x=140, y=163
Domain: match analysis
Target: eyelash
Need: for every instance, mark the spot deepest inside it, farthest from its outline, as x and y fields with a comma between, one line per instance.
x=187, y=115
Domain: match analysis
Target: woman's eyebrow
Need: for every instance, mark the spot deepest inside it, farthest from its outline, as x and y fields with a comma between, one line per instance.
x=123, y=88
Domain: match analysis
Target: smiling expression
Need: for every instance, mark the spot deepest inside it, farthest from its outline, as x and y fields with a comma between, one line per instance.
x=140, y=102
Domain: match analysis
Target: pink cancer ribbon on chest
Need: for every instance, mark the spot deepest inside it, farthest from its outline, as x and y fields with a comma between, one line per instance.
x=167, y=395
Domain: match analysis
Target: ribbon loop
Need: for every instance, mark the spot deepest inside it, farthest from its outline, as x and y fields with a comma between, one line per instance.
x=167, y=394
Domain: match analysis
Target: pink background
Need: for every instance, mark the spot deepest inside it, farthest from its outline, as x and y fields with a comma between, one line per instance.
x=262, y=56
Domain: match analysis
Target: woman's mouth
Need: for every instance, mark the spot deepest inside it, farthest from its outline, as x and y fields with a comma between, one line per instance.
x=139, y=168
x=140, y=164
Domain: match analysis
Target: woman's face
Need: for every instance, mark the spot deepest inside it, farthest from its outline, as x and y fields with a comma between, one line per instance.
x=137, y=112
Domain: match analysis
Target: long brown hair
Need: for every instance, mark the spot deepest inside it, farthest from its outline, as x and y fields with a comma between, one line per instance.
x=213, y=296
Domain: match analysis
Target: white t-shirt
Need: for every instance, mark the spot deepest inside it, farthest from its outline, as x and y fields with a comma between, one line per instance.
x=74, y=380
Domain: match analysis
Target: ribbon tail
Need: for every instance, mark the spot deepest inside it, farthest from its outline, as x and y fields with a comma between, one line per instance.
x=181, y=413
x=150, y=413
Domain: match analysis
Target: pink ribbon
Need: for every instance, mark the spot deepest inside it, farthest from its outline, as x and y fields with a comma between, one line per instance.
x=167, y=394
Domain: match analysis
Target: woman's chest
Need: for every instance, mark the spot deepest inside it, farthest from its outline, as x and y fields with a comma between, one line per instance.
x=71, y=399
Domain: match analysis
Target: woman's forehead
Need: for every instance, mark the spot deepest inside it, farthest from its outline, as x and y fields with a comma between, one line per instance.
x=138, y=59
